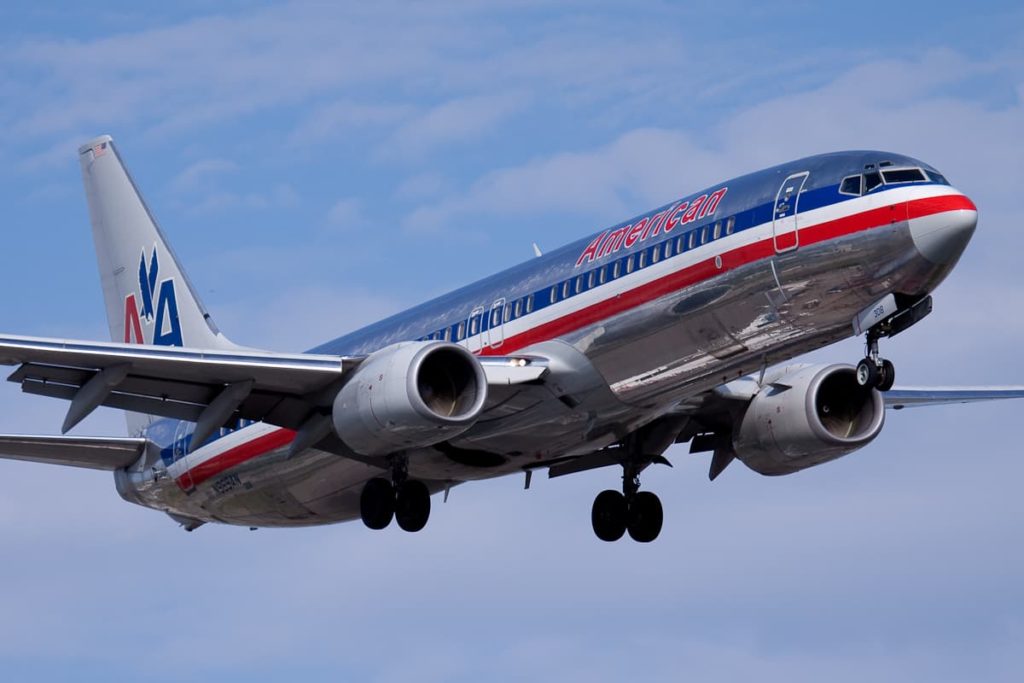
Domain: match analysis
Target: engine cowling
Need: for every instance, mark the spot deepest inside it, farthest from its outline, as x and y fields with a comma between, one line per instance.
x=807, y=416
x=408, y=395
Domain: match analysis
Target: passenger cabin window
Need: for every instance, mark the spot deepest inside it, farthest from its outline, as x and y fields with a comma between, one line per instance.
x=655, y=254
x=460, y=332
x=704, y=235
x=680, y=244
x=850, y=185
x=529, y=304
x=668, y=249
x=903, y=175
x=629, y=264
x=730, y=225
x=579, y=284
x=565, y=289
x=474, y=325
x=642, y=260
x=616, y=270
x=590, y=279
x=517, y=309
x=872, y=179
x=554, y=294
x=602, y=274
x=717, y=231
x=693, y=239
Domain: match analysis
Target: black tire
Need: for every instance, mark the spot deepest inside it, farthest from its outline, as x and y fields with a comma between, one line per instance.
x=887, y=376
x=867, y=373
x=608, y=515
x=377, y=503
x=412, y=505
x=645, y=517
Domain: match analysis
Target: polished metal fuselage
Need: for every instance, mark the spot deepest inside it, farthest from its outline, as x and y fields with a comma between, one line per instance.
x=651, y=356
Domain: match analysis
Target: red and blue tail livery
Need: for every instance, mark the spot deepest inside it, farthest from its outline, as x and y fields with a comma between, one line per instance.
x=144, y=322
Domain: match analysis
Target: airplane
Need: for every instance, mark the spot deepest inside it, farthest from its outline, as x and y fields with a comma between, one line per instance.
x=678, y=325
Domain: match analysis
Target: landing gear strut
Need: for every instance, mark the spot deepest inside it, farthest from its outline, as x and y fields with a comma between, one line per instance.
x=638, y=512
x=874, y=371
x=405, y=500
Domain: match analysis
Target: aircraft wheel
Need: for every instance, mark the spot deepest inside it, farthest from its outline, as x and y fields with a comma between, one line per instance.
x=645, y=517
x=412, y=505
x=377, y=503
x=609, y=515
x=886, y=376
x=867, y=373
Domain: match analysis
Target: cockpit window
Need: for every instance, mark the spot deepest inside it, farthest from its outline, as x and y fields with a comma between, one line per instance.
x=872, y=179
x=938, y=178
x=850, y=185
x=903, y=175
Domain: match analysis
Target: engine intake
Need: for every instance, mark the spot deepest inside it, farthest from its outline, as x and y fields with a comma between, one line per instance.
x=408, y=395
x=805, y=417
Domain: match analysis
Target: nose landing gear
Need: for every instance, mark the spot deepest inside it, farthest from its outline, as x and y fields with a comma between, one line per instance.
x=874, y=371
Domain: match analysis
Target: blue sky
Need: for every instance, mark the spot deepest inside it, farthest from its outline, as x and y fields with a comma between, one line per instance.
x=319, y=167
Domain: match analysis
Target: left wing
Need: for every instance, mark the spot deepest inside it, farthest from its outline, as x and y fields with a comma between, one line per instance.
x=206, y=386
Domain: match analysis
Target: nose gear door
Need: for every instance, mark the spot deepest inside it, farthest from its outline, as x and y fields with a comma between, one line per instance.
x=785, y=226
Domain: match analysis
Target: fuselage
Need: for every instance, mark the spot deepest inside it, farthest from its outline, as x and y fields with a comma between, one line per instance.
x=693, y=294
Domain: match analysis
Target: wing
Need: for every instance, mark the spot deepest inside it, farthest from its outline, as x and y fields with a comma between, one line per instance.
x=208, y=387
x=76, y=451
x=910, y=397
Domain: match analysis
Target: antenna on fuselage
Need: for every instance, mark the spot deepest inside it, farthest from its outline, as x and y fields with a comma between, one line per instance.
x=536, y=251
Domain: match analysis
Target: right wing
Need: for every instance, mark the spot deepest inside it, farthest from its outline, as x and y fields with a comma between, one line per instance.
x=910, y=397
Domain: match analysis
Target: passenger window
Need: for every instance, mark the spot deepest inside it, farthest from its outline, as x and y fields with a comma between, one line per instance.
x=579, y=284
x=529, y=304
x=655, y=254
x=717, y=231
x=566, y=289
x=629, y=264
x=602, y=275
x=616, y=269
x=460, y=333
x=692, y=239
x=508, y=312
x=474, y=325
x=872, y=179
x=554, y=294
x=590, y=279
x=642, y=260
x=447, y=334
x=730, y=225
x=517, y=309
x=668, y=249
x=680, y=243
x=704, y=235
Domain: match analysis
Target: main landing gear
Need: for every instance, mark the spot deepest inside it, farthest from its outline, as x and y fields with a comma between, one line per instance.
x=638, y=512
x=405, y=500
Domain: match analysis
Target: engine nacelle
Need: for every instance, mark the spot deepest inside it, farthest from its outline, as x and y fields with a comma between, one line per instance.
x=805, y=417
x=412, y=394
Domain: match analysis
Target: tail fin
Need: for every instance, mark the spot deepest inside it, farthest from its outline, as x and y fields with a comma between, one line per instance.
x=148, y=296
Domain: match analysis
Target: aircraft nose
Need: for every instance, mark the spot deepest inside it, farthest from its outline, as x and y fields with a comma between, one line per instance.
x=942, y=237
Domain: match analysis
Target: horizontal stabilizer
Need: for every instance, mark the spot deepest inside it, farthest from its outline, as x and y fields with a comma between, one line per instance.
x=98, y=453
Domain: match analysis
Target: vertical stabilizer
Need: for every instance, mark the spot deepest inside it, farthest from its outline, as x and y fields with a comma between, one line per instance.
x=148, y=296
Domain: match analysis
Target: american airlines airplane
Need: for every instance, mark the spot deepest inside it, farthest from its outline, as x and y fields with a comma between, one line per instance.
x=667, y=328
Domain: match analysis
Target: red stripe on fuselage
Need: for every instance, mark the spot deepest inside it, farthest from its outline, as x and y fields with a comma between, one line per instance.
x=686, y=277
x=236, y=456
x=741, y=256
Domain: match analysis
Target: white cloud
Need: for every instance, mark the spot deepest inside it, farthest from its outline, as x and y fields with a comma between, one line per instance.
x=196, y=174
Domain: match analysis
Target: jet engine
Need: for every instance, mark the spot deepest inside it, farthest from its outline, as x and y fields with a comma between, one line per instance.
x=407, y=395
x=806, y=416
